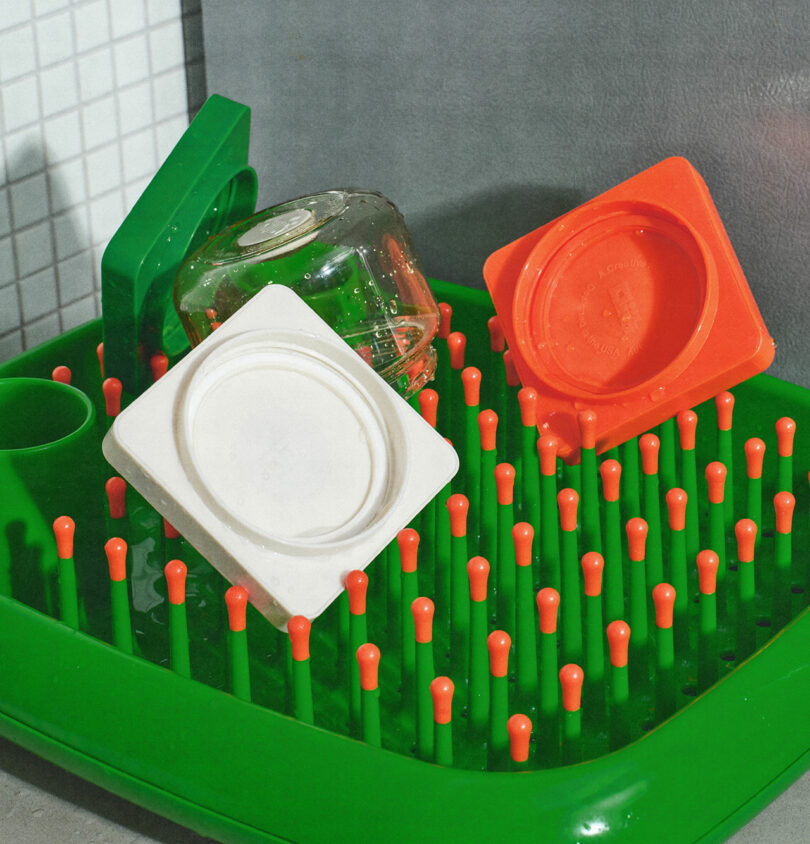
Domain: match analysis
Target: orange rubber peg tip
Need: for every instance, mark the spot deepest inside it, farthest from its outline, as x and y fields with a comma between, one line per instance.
x=505, y=482
x=784, y=504
x=785, y=431
x=716, y=480
x=618, y=636
x=159, y=364
x=422, y=610
x=497, y=340
x=116, y=489
x=62, y=374
x=676, y=508
x=368, y=658
x=512, y=377
x=175, y=571
x=471, y=382
x=724, y=402
x=611, y=472
x=169, y=531
x=664, y=600
x=298, y=628
x=527, y=399
x=478, y=573
x=746, y=531
x=649, y=445
x=571, y=677
x=687, y=426
x=356, y=583
x=636, y=538
x=441, y=690
x=210, y=313
x=457, y=344
x=100, y=356
x=754, y=457
x=498, y=644
x=488, y=426
x=547, y=448
x=523, y=536
x=408, y=542
x=428, y=405
x=236, y=600
x=593, y=564
x=519, y=728
x=445, y=319
x=587, y=428
x=458, y=505
x=215, y=325
x=63, y=530
x=567, y=501
x=111, y=387
x=707, y=564
x=548, y=603
x=116, y=551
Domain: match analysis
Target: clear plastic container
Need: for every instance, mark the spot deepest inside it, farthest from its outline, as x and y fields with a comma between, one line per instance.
x=347, y=254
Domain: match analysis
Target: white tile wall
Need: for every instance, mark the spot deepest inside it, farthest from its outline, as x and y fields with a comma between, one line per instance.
x=92, y=99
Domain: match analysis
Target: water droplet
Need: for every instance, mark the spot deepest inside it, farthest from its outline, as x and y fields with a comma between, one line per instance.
x=658, y=394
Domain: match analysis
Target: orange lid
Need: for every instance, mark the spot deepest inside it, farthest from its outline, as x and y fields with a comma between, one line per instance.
x=633, y=304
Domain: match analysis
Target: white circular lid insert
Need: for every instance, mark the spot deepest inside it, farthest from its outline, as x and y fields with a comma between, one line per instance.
x=284, y=444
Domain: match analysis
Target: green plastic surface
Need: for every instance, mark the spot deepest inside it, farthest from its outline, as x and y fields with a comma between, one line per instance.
x=204, y=185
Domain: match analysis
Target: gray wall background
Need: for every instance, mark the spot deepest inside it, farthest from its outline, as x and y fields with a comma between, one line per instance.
x=483, y=120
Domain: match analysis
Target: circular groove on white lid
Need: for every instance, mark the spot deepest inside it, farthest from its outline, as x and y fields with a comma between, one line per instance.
x=308, y=458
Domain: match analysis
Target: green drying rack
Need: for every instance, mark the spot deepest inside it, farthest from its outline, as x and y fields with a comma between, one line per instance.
x=239, y=771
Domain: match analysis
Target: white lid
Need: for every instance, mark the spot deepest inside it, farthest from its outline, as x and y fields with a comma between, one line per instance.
x=280, y=455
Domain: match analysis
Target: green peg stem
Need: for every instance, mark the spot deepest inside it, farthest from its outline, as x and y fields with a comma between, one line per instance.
x=358, y=634
x=479, y=684
x=631, y=500
x=549, y=536
x=669, y=475
x=570, y=598
x=572, y=476
x=725, y=454
x=506, y=568
x=443, y=742
x=442, y=570
x=591, y=529
x=461, y=604
x=652, y=515
x=178, y=640
x=665, y=675
x=785, y=472
x=531, y=480
x=717, y=536
x=472, y=463
x=478, y=570
x=372, y=733
x=571, y=736
x=121, y=621
x=690, y=487
x=489, y=511
x=611, y=472
x=68, y=596
x=620, y=695
x=239, y=664
x=302, y=691
x=526, y=642
x=707, y=646
x=424, y=705
x=499, y=714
